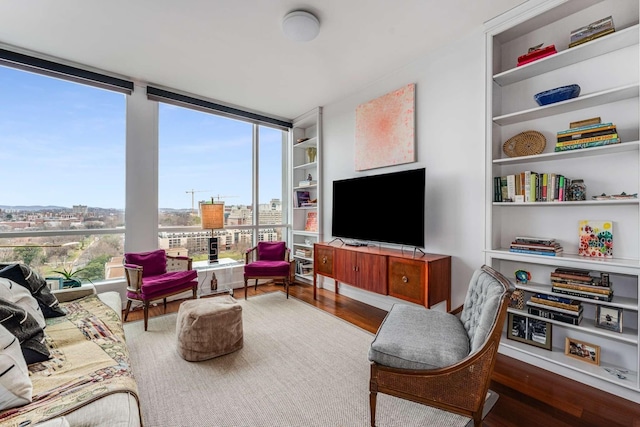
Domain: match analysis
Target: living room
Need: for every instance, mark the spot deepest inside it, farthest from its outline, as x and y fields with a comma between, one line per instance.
x=451, y=125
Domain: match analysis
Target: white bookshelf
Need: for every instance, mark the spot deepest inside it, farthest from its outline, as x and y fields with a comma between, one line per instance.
x=309, y=126
x=608, y=73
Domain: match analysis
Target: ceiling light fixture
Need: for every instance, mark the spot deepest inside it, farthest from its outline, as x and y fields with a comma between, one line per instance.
x=300, y=26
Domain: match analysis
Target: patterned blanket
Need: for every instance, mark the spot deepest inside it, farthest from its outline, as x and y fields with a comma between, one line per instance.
x=89, y=361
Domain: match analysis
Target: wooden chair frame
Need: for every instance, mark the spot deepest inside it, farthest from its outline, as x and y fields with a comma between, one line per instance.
x=134, y=284
x=461, y=388
x=252, y=255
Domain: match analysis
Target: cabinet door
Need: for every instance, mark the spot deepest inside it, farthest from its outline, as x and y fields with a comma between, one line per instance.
x=345, y=266
x=406, y=279
x=323, y=260
x=371, y=272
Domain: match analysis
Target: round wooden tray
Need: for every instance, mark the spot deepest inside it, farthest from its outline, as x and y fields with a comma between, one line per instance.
x=526, y=143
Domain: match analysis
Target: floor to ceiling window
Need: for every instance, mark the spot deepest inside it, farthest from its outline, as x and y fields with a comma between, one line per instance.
x=62, y=174
x=205, y=157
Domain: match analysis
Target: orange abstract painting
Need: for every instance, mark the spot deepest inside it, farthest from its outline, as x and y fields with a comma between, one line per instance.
x=385, y=130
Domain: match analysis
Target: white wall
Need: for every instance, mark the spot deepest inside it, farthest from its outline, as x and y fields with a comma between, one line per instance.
x=450, y=88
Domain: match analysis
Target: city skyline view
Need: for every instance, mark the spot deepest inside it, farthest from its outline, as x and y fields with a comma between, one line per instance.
x=64, y=145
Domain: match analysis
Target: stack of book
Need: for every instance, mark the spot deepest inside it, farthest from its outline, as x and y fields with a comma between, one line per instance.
x=580, y=283
x=303, y=252
x=555, y=308
x=532, y=186
x=594, y=135
x=535, y=246
x=595, y=30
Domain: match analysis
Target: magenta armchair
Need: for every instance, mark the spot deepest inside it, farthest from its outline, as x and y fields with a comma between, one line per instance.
x=268, y=260
x=154, y=275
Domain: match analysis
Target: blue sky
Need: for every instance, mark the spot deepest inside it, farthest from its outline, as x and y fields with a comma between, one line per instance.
x=63, y=144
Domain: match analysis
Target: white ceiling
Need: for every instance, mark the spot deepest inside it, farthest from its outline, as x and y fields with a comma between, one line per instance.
x=234, y=51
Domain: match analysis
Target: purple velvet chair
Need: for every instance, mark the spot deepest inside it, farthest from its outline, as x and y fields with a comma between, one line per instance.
x=154, y=275
x=268, y=260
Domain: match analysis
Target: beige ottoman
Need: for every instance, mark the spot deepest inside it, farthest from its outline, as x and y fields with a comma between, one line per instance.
x=208, y=328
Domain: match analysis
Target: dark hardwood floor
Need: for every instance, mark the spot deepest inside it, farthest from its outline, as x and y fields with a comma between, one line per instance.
x=529, y=396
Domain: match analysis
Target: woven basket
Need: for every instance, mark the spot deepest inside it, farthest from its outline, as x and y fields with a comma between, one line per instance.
x=526, y=143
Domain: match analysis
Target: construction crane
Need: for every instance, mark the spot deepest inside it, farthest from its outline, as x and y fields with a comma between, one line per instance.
x=193, y=199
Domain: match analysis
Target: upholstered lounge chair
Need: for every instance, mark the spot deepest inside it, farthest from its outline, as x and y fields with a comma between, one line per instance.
x=439, y=359
x=154, y=275
x=268, y=260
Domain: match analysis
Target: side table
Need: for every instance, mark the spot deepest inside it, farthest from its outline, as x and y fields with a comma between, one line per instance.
x=220, y=283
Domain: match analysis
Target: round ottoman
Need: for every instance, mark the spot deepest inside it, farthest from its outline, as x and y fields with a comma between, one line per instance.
x=208, y=328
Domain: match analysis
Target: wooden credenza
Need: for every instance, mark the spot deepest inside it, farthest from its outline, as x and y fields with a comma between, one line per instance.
x=423, y=279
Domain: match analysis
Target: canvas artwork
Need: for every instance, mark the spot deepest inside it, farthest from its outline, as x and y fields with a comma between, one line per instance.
x=385, y=130
x=596, y=239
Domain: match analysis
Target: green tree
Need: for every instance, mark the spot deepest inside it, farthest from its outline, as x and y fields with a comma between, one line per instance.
x=94, y=270
x=27, y=254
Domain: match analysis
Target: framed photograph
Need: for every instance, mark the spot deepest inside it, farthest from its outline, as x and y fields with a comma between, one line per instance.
x=529, y=331
x=582, y=350
x=609, y=318
x=54, y=283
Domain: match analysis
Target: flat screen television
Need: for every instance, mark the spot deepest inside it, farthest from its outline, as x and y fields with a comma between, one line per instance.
x=387, y=208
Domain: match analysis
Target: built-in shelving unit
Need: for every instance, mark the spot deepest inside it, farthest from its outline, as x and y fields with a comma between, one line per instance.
x=607, y=71
x=305, y=163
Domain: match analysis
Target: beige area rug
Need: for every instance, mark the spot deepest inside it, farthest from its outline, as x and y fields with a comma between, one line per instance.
x=299, y=366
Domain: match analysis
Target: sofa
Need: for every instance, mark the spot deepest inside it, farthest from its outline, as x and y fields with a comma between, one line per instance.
x=64, y=359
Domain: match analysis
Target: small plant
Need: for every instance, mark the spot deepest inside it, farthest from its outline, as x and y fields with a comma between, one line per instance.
x=72, y=277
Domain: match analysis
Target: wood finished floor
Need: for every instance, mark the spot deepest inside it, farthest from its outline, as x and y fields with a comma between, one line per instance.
x=513, y=408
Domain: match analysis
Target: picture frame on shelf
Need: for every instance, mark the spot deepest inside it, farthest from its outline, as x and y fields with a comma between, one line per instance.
x=581, y=350
x=609, y=318
x=530, y=331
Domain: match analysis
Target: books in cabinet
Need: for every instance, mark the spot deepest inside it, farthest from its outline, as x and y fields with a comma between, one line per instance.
x=554, y=315
x=302, y=197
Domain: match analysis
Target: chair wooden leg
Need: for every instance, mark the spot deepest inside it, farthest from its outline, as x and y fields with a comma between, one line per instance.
x=126, y=310
x=286, y=285
x=245, y=288
x=372, y=406
x=164, y=302
x=255, y=287
x=195, y=292
x=146, y=314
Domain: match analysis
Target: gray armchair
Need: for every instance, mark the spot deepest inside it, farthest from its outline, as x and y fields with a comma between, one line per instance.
x=437, y=358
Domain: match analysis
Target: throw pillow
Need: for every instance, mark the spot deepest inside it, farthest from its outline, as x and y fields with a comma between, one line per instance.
x=21, y=296
x=23, y=275
x=24, y=327
x=15, y=385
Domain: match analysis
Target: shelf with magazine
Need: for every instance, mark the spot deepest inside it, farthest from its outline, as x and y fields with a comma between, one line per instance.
x=593, y=140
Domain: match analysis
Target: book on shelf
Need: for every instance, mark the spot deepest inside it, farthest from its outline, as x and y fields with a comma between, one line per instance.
x=594, y=28
x=302, y=197
x=584, y=288
x=580, y=145
x=303, y=252
x=534, y=240
x=583, y=294
x=573, y=271
x=593, y=138
x=593, y=133
x=311, y=223
x=556, y=309
x=557, y=298
x=554, y=315
x=585, y=129
x=307, y=183
x=575, y=306
x=592, y=37
x=529, y=252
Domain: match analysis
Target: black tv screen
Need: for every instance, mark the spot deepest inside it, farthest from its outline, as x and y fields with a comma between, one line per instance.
x=385, y=208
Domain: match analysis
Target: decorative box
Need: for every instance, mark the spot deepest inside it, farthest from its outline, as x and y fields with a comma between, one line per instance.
x=536, y=54
x=558, y=94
